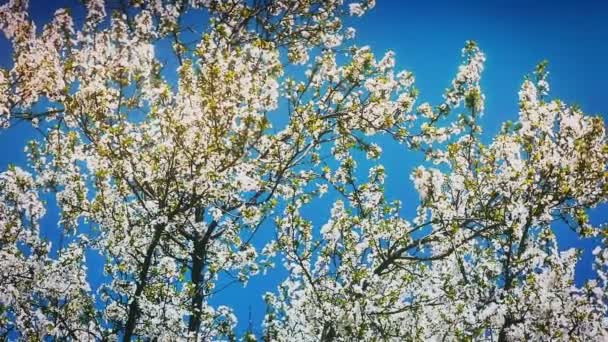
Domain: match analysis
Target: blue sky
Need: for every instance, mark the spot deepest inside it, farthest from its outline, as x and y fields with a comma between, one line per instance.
x=427, y=37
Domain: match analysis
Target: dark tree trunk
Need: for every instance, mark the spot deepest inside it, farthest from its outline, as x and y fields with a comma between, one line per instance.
x=141, y=284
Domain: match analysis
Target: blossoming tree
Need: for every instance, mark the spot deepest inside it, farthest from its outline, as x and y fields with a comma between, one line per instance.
x=177, y=161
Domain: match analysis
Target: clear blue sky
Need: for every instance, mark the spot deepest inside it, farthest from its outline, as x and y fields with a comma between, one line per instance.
x=427, y=37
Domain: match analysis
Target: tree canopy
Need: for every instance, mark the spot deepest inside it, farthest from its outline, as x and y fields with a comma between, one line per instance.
x=268, y=106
